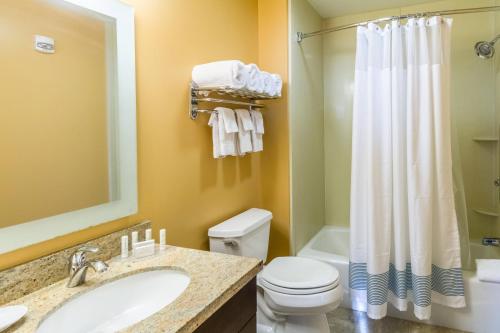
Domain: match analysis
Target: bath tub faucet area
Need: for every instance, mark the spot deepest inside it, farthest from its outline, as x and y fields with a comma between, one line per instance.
x=491, y=241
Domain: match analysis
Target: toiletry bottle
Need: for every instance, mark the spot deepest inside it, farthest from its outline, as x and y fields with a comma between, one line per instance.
x=135, y=238
x=163, y=239
x=124, y=247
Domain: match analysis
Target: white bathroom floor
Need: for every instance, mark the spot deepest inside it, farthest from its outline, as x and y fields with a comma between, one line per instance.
x=344, y=320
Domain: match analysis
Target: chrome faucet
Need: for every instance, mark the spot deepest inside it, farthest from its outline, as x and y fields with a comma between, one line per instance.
x=491, y=241
x=78, y=265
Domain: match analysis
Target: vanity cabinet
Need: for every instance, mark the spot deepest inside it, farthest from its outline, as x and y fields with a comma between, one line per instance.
x=237, y=315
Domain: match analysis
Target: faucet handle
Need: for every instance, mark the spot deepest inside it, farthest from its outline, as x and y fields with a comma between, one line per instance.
x=80, y=253
x=78, y=257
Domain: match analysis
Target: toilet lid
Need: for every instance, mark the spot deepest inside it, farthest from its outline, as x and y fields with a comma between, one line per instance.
x=299, y=273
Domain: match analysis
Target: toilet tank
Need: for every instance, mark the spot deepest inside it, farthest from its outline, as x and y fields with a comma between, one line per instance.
x=246, y=234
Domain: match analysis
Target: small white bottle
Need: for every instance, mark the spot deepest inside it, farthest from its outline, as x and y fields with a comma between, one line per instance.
x=135, y=238
x=163, y=239
x=124, y=247
x=148, y=234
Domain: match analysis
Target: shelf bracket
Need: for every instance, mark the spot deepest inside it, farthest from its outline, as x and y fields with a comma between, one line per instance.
x=193, y=102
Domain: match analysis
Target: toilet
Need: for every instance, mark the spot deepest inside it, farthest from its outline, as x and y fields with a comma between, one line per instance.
x=294, y=294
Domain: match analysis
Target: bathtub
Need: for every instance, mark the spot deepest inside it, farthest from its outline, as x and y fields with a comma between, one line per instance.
x=481, y=315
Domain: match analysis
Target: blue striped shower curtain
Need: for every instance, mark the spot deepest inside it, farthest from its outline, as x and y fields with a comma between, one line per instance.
x=404, y=235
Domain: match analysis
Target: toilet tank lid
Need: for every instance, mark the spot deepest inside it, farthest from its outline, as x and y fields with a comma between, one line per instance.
x=241, y=224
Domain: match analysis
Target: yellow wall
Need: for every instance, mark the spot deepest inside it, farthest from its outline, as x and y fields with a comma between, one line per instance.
x=53, y=113
x=181, y=187
x=273, y=57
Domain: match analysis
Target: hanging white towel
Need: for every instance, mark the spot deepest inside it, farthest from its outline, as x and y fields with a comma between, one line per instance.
x=254, y=82
x=488, y=270
x=227, y=73
x=245, y=128
x=258, y=123
x=227, y=131
x=214, y=123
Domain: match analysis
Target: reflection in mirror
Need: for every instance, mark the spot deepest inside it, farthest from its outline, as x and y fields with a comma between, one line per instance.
x=54, y=116
x=59, y=135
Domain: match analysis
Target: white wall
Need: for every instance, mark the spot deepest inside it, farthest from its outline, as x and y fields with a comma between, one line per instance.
x=306, y=126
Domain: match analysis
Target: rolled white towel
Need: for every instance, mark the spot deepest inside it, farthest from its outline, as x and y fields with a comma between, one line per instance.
x=277, y=85
x=488, y=270
x=254, y=82
x=221, y=74
x=267, y=83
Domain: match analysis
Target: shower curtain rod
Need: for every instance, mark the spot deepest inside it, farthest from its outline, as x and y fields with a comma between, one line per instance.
x=301, y=35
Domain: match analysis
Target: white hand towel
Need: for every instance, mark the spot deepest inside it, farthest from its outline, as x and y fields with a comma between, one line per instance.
x=488, y=270
x=245, y=126
x=227, y=73
x=277, y=85
x=227, y=131
x=258, y=123
x=214, y=123
x=254, y=82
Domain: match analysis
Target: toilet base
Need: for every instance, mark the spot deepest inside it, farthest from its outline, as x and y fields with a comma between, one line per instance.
x=269, y=321
x=293, y=324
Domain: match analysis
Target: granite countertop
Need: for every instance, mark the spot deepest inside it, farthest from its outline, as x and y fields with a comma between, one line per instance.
x=215, y=278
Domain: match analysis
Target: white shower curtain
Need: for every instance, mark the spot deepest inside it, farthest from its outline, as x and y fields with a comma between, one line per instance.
x=404, y=235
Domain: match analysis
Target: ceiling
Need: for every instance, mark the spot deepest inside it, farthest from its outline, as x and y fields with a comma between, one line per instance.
x=333, y=8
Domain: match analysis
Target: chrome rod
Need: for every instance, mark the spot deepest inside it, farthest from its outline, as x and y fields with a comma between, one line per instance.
x=301, y=35
x=206, y=110
x=194, y=112
x=228, y=101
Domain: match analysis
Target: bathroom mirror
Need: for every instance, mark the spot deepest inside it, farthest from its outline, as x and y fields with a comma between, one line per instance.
x=67, y=117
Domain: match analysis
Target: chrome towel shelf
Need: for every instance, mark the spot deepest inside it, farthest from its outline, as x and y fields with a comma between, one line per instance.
x=201, y=95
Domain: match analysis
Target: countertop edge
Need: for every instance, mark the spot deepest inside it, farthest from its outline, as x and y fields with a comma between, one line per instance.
x=211, y=308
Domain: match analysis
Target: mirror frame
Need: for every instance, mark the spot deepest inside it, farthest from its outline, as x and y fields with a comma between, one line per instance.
x=36, y=231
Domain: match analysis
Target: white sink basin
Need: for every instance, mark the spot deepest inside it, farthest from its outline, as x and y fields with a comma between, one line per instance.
x=118, y=304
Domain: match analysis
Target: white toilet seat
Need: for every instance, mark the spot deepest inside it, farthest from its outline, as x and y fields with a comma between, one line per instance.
x=300, y=286
x=300, y=291
x=299, y=273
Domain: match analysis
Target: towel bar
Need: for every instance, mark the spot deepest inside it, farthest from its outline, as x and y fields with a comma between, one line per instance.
x=196, y=92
